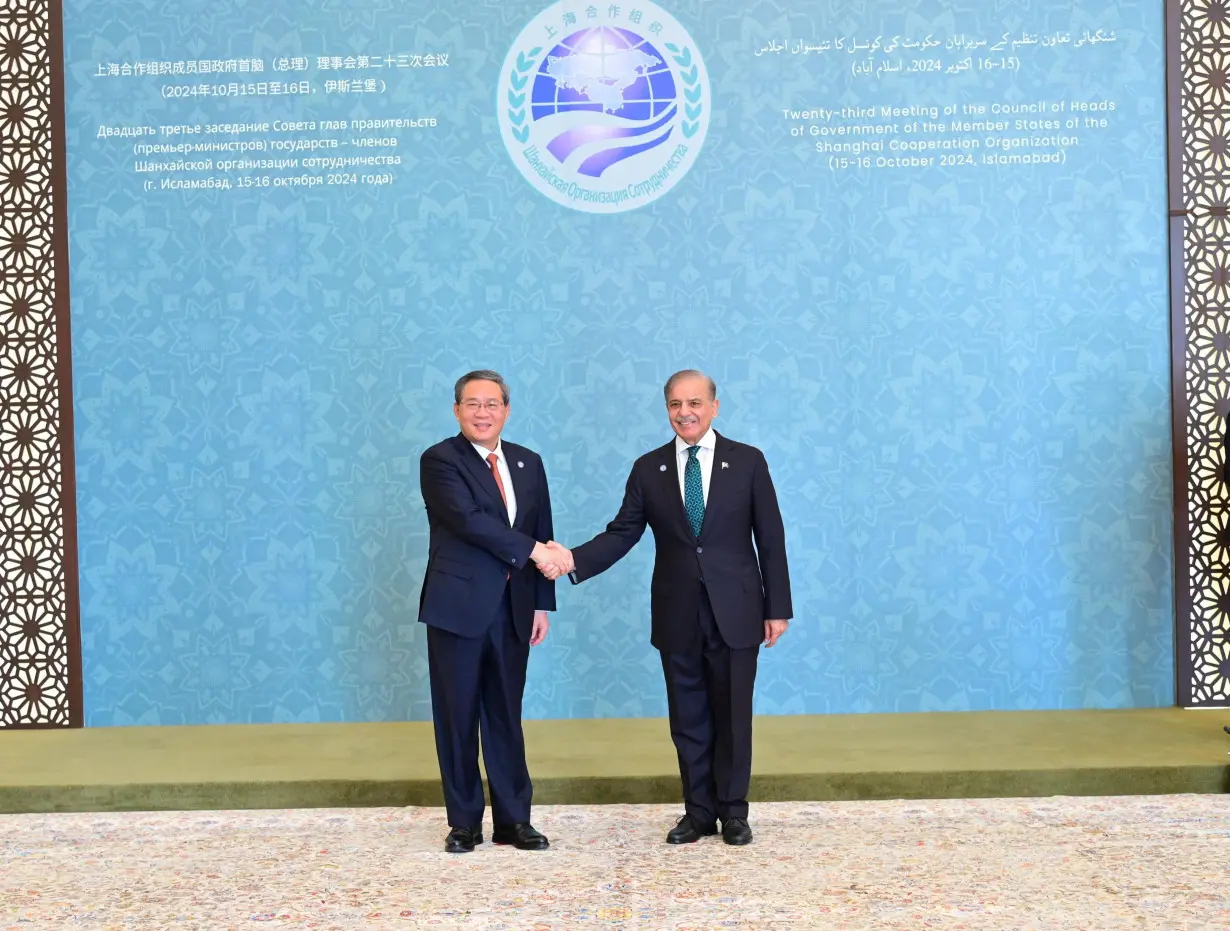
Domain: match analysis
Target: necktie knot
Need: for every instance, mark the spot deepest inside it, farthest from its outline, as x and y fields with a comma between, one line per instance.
x=493, y=460
x=692, y=451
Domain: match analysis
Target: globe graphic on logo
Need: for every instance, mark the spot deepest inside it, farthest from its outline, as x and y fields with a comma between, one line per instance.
x=603, y=95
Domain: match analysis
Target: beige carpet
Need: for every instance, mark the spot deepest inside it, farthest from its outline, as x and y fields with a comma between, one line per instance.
x=1157, y=862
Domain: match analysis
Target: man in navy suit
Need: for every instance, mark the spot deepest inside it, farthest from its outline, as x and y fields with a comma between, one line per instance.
x=714, y=598
x=484, y=605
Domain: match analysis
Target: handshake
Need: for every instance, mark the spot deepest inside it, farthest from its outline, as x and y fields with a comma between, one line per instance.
x=553, y=559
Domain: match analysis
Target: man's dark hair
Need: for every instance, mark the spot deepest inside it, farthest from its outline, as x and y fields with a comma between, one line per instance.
x=479, y=375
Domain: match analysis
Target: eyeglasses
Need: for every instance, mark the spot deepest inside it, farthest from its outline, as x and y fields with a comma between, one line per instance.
x=473, y=407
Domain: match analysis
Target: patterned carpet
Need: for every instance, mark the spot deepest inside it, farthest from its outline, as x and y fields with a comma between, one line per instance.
x=1149, y=863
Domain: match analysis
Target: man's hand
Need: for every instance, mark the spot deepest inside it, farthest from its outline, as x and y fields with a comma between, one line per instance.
x=541, y=625
x=773, y=630
x=553, y=559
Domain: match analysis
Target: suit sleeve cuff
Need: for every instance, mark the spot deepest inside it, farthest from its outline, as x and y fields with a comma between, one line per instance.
x=521, y=556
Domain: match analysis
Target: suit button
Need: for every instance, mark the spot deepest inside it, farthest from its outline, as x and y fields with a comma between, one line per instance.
x=699, y=550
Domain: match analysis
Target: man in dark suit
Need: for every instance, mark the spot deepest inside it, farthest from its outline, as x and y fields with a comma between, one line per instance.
x=714, y=598
x=484, y=605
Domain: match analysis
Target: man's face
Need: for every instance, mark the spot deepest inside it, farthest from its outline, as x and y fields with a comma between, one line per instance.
x=481, y=413
x=690, y=409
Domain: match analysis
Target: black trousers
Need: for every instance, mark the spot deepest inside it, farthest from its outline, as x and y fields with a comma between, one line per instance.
x=709, y=697
x=478, y=683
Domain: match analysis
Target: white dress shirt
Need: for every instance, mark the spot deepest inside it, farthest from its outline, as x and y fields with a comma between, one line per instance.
x=704, y=456
x=505, y=476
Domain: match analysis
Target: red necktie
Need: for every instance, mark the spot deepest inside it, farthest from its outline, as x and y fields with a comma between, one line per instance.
x=494, y=461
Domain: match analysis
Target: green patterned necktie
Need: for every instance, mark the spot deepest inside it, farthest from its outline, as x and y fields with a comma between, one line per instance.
x=693, y=492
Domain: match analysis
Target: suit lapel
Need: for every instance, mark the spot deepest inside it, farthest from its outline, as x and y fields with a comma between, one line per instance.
x=718, y=480
x=481, y=471
x=522, y=481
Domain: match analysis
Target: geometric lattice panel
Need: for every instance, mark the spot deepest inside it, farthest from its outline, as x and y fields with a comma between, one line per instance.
x=1203, y=164
x=39, y=643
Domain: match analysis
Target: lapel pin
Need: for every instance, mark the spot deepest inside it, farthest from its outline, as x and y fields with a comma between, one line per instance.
x=661, y=468
x=725, y=465
x=520, y=464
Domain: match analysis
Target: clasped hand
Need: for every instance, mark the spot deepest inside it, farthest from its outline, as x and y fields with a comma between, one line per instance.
x=553, y=559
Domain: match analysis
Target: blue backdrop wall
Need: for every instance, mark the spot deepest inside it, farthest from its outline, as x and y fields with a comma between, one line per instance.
x=920, y=246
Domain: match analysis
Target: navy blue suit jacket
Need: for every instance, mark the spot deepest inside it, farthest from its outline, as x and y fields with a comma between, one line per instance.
x=746, y=585
x=473, y=552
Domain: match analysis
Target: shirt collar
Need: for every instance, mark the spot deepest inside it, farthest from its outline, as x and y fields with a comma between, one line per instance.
x=485, y=452
x=708, y=441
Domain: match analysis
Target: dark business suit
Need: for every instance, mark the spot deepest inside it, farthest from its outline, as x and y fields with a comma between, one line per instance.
x=478, y=602
x=710, y=597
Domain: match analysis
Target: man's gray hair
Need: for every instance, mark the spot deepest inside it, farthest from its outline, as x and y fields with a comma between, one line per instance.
x=479, y=375
x=688, y=373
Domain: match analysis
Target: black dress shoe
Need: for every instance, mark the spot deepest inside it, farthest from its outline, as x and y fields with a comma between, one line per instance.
x=689, y=831
x=462, y=840
x=736, y=832
x=521, y=836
